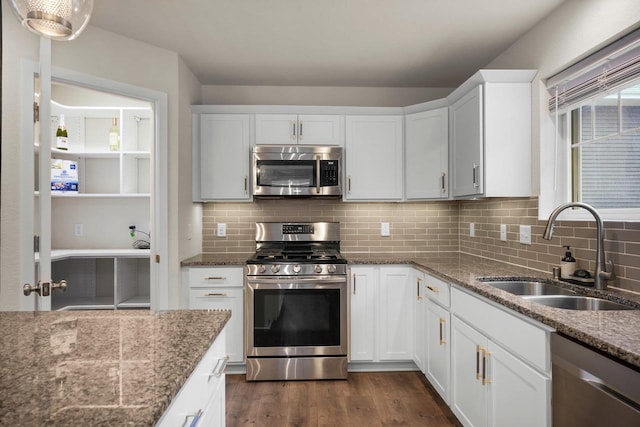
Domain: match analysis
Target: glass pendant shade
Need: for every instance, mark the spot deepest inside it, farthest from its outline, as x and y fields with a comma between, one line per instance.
x=54, y=19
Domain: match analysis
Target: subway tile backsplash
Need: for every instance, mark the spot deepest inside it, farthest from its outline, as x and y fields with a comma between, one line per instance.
x=431, y=227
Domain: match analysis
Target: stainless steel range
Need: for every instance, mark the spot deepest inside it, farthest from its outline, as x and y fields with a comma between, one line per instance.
x=296, y=303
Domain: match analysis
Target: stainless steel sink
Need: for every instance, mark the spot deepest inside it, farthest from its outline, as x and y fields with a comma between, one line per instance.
x=528, y=287
x=577, y=302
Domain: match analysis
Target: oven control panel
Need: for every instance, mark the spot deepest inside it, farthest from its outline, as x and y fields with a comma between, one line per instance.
x=297, y=229
x=289, y=269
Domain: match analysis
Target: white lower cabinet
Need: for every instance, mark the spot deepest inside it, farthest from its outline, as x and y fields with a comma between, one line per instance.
x=381, y=314
x=200, y=401
x=499, y=363
x=219, y=288
x=438, y=348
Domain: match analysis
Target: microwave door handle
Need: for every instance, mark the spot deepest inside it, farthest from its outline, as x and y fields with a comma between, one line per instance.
x=318, y=174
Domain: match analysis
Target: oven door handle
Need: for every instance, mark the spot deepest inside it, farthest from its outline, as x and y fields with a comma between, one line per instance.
x=289, y=279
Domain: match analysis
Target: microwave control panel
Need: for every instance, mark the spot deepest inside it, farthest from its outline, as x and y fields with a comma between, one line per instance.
x=329, y=173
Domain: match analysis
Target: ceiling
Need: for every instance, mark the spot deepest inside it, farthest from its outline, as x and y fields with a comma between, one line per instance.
x=385, y=43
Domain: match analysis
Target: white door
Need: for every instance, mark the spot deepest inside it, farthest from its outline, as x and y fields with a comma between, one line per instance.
x=468, y=393
x=320, y=129
x=224, y=157
x=419, y=321
x=438, y=347
x=276, y=129
x=363, y=289
x=517, y=393
x=467, y=144
x=395, y=308
x=427, y=155
x=373, y=148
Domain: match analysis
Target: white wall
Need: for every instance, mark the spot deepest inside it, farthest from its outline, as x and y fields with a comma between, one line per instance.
x=573, y=31
x=319, y=95
x=97, y=53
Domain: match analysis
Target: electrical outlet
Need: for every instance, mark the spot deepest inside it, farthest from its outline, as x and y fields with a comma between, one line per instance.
x=78, y=230
x=222, y=229
x=525, y=234
x=472, y=230
x=385, y=231
x=503, y=232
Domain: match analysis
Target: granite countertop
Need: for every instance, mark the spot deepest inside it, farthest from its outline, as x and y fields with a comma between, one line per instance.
x=613, y=332
x=215, y=259
x=103, y=367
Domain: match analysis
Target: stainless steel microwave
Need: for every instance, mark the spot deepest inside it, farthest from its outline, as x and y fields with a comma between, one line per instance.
x=297, y=170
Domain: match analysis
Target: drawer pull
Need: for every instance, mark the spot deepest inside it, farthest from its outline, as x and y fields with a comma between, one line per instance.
x=418, y=296
x=485, y=356
x=442, y=323
x=479, y=349
x=433, y=289
x=216, y=294
x=215, y=278
x=218, y=370
x=192, y=420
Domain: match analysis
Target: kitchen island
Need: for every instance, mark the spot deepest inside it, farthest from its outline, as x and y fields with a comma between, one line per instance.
x=99, y=368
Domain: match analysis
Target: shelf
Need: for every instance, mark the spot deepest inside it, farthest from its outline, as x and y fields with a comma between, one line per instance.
x=71, y=194
x=61, y=254
x=86, y=154
x=79, y=303
x=140, y=301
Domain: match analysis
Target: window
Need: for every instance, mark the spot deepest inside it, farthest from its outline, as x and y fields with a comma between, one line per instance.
x=594, y=151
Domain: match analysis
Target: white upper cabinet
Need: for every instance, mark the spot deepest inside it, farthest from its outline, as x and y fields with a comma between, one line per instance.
x=491, y=135
x=373, y=151
x=427, y=155
x=319, y=129
x=221, y=157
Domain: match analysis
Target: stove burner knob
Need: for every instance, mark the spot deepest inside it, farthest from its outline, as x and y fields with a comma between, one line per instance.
x=331, y=268
x=262, y=269
x=318, y=268
x=296, y=268
x=275, y=268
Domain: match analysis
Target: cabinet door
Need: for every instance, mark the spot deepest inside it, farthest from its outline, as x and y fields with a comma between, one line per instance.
x=320, y=129
x=438, y=347
x=467, y=146
x=374, y=157
x=224, y=157
x=419, y=321
x=276, y=129
x=363, y=288
x=518, y=395
x=395, y=306
x=468, y=393
x=427, y=154
x=224, y=299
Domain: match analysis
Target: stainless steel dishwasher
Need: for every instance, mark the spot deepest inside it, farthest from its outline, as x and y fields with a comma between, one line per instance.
x=591, y=389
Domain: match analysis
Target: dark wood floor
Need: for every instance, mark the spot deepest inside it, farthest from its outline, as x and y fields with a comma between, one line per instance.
x=365, y=399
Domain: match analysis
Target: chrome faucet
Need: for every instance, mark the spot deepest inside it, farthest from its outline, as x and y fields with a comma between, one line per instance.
x=601, y=274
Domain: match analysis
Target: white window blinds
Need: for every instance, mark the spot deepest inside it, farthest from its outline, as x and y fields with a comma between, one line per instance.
x=600, y=72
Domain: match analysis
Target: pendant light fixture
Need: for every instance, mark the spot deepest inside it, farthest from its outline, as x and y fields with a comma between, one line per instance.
x=54, y=19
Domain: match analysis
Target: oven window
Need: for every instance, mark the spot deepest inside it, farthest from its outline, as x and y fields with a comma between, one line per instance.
x=286, y=173
x=296, y=317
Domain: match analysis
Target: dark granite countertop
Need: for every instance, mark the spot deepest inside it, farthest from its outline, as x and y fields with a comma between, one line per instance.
x=98, y=367
x=216, y=259
x=616, y=333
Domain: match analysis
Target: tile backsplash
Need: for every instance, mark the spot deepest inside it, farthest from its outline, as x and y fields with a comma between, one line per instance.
x=424, y=227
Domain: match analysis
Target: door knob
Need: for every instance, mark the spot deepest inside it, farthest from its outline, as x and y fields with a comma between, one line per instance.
x=44, y=288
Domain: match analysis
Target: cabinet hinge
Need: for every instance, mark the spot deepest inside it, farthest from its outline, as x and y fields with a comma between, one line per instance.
x=36, y=112
x=158, y=258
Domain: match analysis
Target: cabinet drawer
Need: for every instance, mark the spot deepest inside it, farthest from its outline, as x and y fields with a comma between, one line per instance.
x=215, y=276
x=218, y=298
x=527, y=341
x=437, y=290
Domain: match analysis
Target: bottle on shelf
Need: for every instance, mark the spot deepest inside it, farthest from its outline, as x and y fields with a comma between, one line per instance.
x=62, y=141
x=114, y=135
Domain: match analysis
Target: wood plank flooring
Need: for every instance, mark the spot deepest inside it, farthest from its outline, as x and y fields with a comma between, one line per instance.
x=365, y=399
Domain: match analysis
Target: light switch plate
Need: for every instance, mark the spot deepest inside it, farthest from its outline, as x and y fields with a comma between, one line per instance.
x=503, y=232
x=472, y=229
x=525, y=234
x=78, y=230
x=385, y=230
x=222, y=229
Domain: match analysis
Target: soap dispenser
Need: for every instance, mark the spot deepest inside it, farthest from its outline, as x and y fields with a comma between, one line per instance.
x=568, y=264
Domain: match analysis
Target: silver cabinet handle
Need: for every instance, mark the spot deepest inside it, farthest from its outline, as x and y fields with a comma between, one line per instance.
x=246, y=181
x=475, y=176
x=221, y=365
x=442, y=179
x=418, y=281
x=354, y=284
x=300, y=130
x=349, y=183
x=216, y=294
x=442, y=324
x=293, y=130
x=215, y=278
x=485, y=356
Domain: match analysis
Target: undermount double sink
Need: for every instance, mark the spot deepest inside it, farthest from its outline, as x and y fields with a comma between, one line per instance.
x=552, y=295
